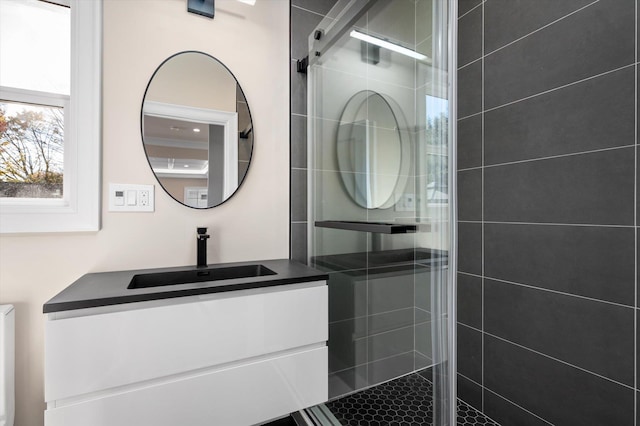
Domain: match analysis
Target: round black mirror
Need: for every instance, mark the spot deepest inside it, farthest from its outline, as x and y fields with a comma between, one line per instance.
x=196, y=129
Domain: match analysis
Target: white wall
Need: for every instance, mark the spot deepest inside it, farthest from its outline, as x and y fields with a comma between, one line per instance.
x=138, y=35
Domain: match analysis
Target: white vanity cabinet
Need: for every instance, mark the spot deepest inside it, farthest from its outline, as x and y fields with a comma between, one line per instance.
x=221, y=359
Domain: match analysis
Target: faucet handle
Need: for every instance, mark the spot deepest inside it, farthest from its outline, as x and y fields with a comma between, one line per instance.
x=202, y=231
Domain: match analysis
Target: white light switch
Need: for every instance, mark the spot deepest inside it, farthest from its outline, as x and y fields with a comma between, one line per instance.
x=131, y=198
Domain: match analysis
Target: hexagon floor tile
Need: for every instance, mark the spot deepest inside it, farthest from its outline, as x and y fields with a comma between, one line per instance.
x=406, y=401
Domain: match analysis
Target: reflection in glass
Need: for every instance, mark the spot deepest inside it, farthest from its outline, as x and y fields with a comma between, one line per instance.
x=380, y=148
x=373, y=152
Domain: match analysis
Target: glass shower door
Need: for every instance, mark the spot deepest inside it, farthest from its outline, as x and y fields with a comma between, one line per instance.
x=380, y=206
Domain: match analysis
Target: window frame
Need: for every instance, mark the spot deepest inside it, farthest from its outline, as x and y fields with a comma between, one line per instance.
x=79, y=209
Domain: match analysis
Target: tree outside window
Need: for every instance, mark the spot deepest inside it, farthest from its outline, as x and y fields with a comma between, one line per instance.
x=31, y=151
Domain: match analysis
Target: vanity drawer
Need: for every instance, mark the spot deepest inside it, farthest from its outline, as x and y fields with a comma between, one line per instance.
x=264, y=390
x=104, y=351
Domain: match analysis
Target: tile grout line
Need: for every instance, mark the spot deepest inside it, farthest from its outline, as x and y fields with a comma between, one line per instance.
x=560, y=361
x=544, y=92
x=471, y=380
x=519, y=406
x=542, y=28
x=635, y=221
x=367, y=336
x=470, y=63
x=482, y=184
x=380, y=313
x=470, y=327
x=469, y=116
x=417, y=86
x=551, y=157
x=585, y=225
x=594, y=151
x=308, y=10
x=351, y=74
x=365, y=364
x=546, y=289
x=471, y=10
x=592, y=299
x=602, y=74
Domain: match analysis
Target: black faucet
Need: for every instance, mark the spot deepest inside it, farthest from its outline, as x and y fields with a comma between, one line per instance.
x=202, y=247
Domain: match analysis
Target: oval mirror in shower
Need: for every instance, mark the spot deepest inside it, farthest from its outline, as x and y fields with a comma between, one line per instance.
x=374, y=150
x=196, y=129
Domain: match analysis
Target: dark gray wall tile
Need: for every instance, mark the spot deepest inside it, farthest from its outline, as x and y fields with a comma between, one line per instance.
x=298, y=195
x=470, y=195
x=598, y=113
x=469, y=302
x=424, y=340
x=470, y=89
x=559, y=393
x=469, y=142
x=348, y=296
x=596, y=262
x=597, y=39
x=298, y=141
x=298, y=90
x=390, y=321
x=469, y=392
x=389, y=291
x=508, y=20
x=299, y=242
x=391, y=343
x=319, y=6
x=470, y=37
x=637, y=358
x=470, y=353
x=302, y=23
x=470, y=248
x=386, y=369
x=593, y=335
x=592, y=188
x=346, y=381
x=595, y=188
x=421, y=361
x=506, y=413
x=347, y=344
x=465, y=6
x=422, y=288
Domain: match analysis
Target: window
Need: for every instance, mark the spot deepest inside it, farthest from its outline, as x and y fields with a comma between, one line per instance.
x=437, y=125
x=50, y=55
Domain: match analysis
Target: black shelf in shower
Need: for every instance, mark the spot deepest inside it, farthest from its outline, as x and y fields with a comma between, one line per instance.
x=375, y=227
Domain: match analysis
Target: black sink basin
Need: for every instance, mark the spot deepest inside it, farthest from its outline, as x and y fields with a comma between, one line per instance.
x=198, y=276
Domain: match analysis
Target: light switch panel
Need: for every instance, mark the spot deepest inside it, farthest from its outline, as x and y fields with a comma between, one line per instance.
x=131, y=198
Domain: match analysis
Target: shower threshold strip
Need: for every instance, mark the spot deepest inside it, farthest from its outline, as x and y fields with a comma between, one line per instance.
x=405, y=401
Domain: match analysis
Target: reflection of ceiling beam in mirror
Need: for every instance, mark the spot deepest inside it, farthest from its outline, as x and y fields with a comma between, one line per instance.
x=173, y=152
x=176, y=143
x=180, y=167
x=166, y=131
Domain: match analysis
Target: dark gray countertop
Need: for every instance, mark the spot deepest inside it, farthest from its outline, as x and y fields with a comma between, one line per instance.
x=110, y=288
